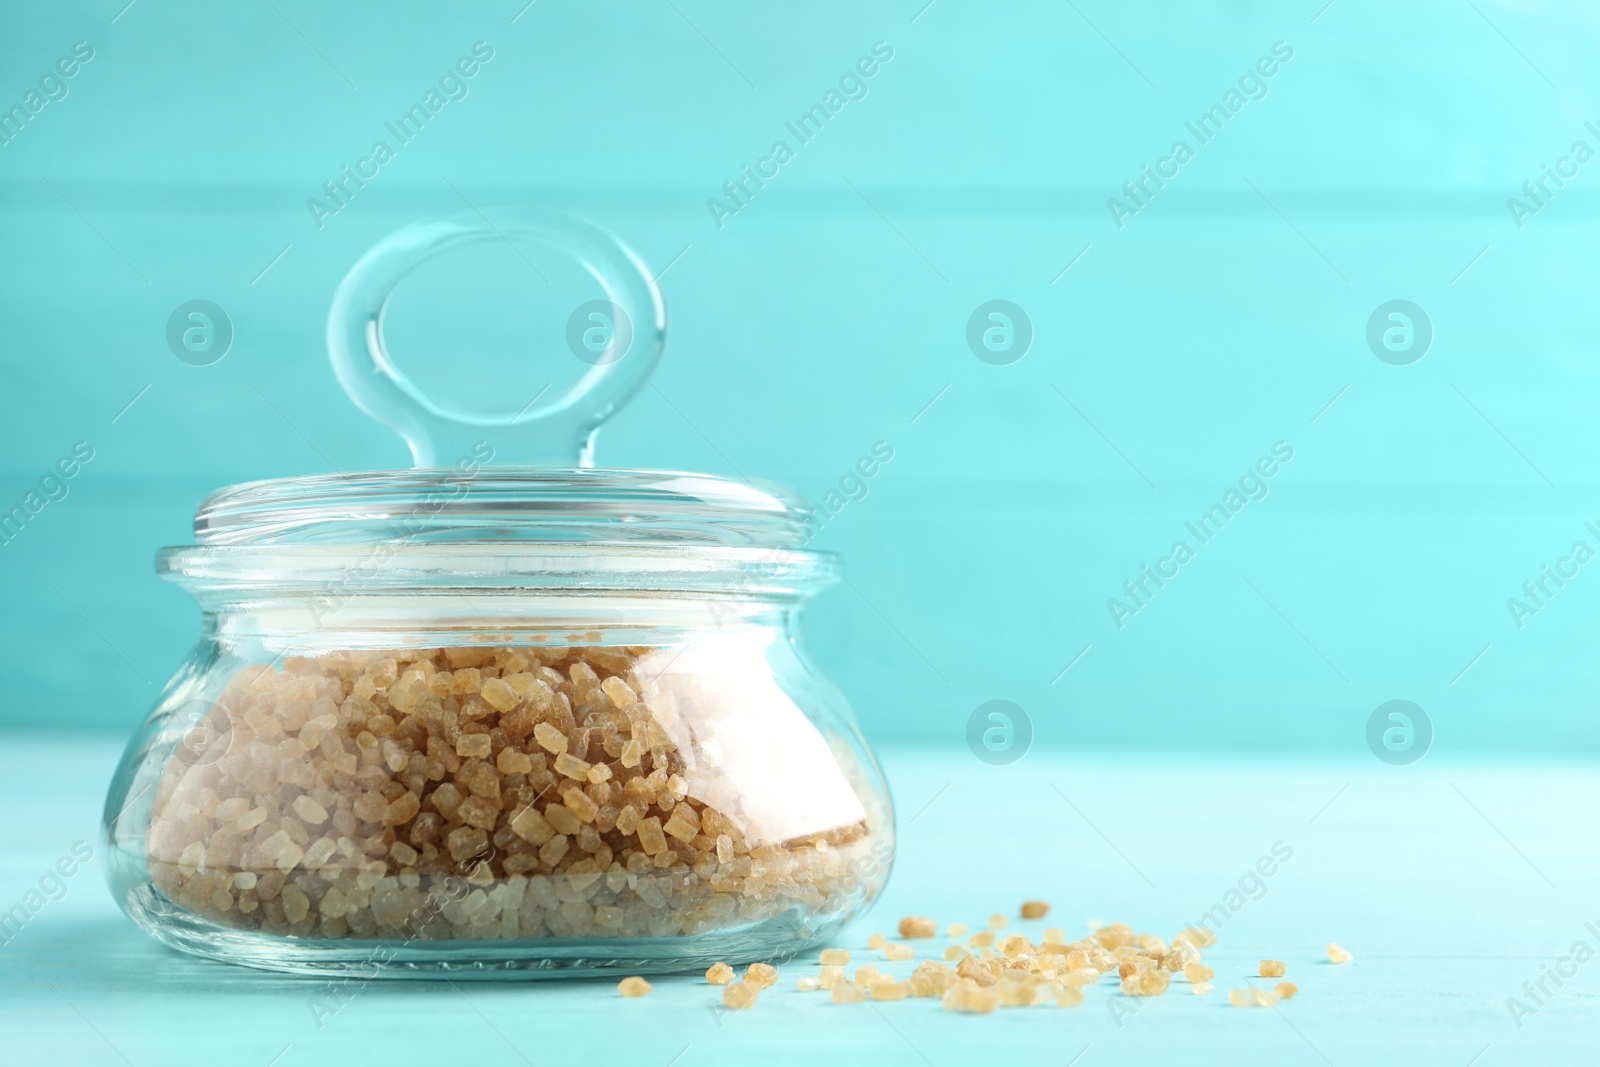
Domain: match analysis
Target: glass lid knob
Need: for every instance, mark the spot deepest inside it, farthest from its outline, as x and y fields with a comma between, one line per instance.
x=619, y=340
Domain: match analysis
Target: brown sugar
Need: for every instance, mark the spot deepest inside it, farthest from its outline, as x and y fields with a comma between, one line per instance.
x=867, y=974
x=1018, y=973
x=1067, y=996
x=491, y=793
x=761, y=975
x=740, y=995
x=1250, y=998
x=1017, y=990
x=968, y=996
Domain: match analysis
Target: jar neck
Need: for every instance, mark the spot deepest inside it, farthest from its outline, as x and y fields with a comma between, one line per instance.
x=221, y=575
x=332, y=620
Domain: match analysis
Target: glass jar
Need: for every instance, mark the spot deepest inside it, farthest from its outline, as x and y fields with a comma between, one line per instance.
x=480, y=719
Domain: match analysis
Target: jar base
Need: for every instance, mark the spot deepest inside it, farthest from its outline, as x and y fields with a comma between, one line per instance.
x=772, y=940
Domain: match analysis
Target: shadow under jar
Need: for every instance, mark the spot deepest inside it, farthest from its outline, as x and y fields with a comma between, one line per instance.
x=498, y=720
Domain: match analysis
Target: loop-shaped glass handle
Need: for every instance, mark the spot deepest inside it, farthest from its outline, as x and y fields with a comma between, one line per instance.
x=619, y=339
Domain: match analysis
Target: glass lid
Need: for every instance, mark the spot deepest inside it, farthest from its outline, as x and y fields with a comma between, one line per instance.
x=592, y=504
x=501, y=478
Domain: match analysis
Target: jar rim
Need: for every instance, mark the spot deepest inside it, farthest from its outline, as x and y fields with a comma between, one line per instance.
x=223, y=572
x=473, y=504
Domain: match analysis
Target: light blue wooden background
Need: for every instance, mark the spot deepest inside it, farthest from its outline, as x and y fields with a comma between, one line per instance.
x=828, y=313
